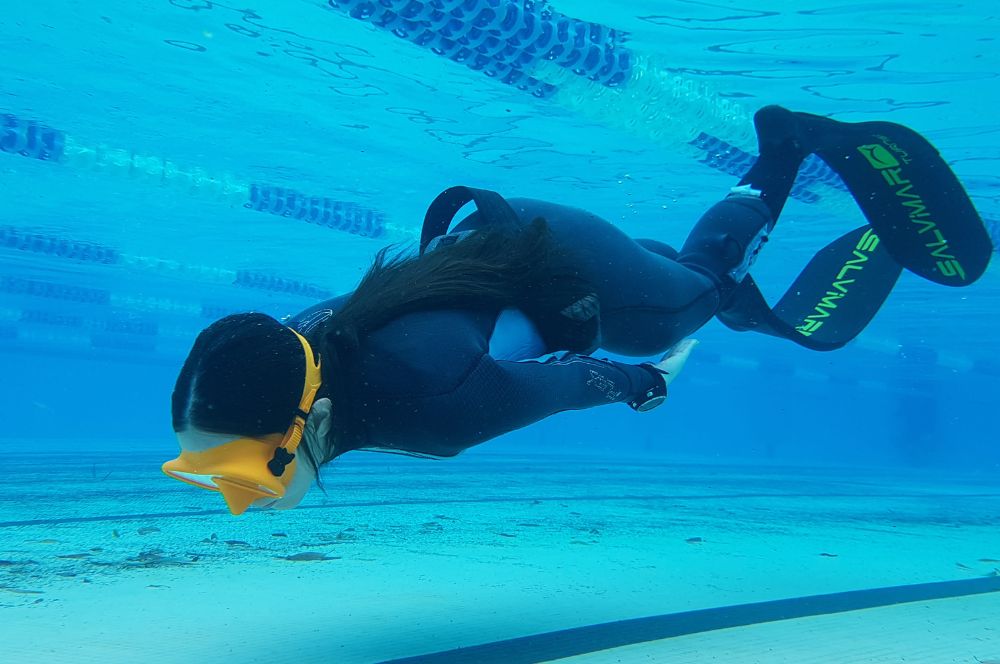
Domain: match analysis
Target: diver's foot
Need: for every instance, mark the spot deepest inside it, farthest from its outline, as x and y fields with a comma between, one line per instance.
x=793, y=134
x=779, y=133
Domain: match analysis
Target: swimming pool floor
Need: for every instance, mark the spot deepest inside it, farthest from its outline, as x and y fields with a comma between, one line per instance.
x=419, y=559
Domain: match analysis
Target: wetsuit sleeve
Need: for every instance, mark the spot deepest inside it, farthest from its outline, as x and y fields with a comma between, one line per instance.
x=500, y=396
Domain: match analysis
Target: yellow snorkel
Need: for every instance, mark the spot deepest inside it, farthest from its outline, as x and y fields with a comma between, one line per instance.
x=248, y=469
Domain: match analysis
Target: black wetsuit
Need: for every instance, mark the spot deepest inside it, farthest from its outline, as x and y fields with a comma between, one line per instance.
x=438, y=382
x=431, y=384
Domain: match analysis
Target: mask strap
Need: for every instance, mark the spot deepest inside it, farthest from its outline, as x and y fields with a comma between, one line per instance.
x=285, y=453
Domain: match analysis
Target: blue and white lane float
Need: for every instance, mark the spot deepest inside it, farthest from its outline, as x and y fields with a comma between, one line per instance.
x=34, y=140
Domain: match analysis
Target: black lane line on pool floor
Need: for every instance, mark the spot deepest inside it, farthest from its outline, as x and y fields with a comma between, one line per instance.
x=592, y=638
x=55, y=521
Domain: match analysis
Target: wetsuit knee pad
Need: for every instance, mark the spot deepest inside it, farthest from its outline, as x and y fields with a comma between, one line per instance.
x=727, y=238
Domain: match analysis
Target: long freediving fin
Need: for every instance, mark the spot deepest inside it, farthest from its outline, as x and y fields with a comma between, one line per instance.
x=908, y=193
x=832, y=300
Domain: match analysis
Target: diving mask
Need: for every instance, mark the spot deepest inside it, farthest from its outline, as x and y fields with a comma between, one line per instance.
x=248, y=469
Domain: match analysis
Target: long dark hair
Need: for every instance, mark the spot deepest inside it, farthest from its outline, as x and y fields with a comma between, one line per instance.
x=493, y=268
x=245, y=372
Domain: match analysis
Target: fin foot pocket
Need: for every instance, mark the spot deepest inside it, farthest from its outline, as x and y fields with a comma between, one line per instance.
x=778, y=129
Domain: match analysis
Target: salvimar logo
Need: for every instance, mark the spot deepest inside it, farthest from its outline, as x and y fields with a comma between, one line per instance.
x=878, y=156
x=889, y=159
x=841, y=284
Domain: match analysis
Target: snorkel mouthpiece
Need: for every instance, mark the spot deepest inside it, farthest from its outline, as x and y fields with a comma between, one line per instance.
x=278, y=462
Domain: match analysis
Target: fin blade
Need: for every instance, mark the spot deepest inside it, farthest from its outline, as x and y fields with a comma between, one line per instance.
x=831, y=301
x=910, y=196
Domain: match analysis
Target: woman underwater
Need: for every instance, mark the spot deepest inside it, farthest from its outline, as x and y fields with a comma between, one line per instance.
x=439, y=351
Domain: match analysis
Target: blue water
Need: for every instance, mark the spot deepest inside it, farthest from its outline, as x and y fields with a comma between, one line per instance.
x=299, y=95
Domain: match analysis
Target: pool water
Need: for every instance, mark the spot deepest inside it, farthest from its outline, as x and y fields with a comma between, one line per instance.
x=167, y=162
